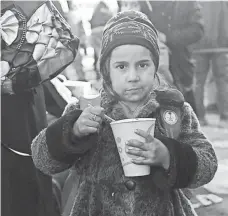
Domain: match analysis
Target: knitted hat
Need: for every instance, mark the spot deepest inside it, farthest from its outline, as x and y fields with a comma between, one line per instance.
x=129, y=27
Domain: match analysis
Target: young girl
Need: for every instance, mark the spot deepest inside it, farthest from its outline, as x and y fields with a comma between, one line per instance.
x=179, y=154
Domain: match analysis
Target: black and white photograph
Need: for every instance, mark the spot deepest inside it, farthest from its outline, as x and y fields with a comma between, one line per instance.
x=114, y=108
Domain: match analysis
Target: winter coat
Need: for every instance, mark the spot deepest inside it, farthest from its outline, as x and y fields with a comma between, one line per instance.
x=103, y=190
x=182, y=24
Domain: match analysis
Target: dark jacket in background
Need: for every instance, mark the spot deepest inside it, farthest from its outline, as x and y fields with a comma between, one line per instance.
x=182, y=24
x=55, y=104
x=23, y=117
x=215, y=26
x=25, y=190
x=100, y=15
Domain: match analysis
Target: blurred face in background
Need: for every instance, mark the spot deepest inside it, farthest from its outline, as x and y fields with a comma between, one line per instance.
x=129, y=5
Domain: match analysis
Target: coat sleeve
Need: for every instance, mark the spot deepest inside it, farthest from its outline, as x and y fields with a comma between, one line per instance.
x=192, y=31
x=206, y=160
x=55, y=149
x=42, y=158
x=193, y=162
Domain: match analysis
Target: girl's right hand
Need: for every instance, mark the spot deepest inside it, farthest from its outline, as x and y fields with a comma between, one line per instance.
x=89, y=121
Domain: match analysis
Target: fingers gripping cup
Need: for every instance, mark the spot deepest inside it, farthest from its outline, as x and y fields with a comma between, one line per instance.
x=124, y=130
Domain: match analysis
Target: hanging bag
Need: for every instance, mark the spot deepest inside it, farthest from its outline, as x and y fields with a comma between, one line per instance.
x=37, y=44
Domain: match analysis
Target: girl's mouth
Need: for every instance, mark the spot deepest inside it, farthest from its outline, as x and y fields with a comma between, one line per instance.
x=133, y=89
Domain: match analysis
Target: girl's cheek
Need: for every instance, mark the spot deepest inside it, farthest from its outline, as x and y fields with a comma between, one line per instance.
x=114, y=80
x=114, y=75
x=149, y=76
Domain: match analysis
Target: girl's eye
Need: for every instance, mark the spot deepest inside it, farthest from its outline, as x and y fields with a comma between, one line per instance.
x=143, y=65
x=121, y=67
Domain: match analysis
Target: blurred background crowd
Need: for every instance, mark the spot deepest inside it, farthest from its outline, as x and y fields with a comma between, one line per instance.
x=193, y=43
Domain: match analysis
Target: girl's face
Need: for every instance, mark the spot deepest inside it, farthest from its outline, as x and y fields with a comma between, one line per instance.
x=132, y=73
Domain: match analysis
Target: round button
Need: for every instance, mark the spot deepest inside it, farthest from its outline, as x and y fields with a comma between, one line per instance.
x=130, y=185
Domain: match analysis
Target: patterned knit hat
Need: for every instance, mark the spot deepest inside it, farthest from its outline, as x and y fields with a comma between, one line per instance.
x=129, y=27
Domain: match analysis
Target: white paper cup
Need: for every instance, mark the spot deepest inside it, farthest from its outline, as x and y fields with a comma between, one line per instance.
x=87, y=100
x=123, y=131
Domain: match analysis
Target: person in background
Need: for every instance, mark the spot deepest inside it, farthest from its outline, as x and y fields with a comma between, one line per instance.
x=28, y=30
x=212, y=51
x=84, y=140
x=75, y=70
x=210, y=95
x=25, y=191
x=101, y=15
x=182, y=25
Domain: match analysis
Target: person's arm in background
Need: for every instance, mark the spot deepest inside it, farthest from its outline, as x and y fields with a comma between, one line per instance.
x=193, y=30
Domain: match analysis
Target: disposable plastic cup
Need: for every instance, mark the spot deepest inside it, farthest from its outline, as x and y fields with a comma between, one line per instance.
x=124, y=130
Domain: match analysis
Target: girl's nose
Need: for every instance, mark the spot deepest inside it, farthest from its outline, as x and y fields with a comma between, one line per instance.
x=133, y=76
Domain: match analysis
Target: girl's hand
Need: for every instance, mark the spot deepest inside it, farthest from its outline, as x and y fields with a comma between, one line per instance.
x=89, y=121
x=151, y=152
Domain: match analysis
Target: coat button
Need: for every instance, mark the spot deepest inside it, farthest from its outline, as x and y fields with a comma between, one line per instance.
x=130, y=185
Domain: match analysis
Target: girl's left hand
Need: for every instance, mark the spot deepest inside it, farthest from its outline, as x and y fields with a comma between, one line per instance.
x=151, y=152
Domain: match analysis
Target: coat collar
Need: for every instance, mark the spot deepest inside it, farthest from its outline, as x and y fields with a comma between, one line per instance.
x=117, y=111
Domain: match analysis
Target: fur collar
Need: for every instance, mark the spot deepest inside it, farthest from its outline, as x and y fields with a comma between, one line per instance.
x=116, y=110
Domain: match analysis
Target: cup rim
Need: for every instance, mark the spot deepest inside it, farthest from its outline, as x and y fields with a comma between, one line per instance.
x=132, y=120
x=90, y=96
